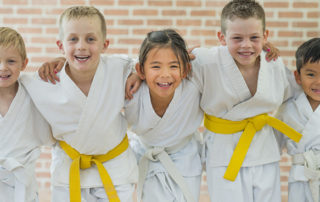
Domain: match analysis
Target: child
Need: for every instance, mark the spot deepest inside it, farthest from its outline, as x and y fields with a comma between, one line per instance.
x=239, y=89
x=23, y=129
x=165, y=114
x=84, y=111
x=304, y=115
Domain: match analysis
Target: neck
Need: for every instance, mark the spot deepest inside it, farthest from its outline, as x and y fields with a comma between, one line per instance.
x=82, y=79
x=160, y=105
x=12, y=90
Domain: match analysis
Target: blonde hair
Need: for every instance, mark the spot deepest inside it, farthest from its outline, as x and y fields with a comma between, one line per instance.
x=10, y=38
x=77, y=12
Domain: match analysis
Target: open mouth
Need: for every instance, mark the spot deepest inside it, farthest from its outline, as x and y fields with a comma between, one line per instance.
x=317, y=91
x=5, y=76
x=167, y=84
x=82, y=58
x=245, y=54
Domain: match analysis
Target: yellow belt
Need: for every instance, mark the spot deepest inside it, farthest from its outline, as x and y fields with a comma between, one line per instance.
x=85, y=161
x=249, y=127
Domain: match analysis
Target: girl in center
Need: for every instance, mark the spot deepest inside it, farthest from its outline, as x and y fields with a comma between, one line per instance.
x=165, y=115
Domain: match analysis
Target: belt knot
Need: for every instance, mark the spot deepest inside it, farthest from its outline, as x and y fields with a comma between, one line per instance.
x=258, y=122
x=152, y=153
x=85, y=161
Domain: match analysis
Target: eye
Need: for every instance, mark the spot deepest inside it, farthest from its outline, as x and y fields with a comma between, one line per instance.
x=255, y=38
x=10, y=61
x=73, y=39
x=236, y=38
x=310, y=74
x=155, y=67
x=91, y=39
x=174, y=66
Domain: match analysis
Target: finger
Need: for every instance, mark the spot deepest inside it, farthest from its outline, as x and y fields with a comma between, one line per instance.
x=41, y=74
x=52, y=75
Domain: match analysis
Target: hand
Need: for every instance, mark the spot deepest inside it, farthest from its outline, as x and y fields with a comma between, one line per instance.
x=132, y=85
x=48, y=70
x=191, y=56
x=272, y=52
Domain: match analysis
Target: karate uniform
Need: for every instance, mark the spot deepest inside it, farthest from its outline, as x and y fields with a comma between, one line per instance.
x=298, y=113
x=23, y=131
x=90, y=124
x=226, y=95
x=175, y=129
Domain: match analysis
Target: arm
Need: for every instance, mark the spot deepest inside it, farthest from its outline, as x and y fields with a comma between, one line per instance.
x=272, y=52
x=48, y=70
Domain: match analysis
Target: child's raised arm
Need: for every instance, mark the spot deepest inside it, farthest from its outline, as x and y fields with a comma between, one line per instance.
x=48, y=70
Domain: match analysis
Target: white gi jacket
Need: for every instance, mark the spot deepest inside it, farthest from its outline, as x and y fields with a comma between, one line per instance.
x=23, y=131
x=226, y=95
x=91, y=125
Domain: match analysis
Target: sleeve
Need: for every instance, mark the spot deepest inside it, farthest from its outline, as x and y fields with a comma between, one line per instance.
x=131, y=109
x=281, y=138
x=292, y=89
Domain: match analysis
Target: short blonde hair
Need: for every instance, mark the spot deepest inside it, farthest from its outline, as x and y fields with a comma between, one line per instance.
x=10, y=38
x=77, y=12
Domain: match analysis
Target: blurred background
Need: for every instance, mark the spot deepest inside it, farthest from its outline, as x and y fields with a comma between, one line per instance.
x=291, y=22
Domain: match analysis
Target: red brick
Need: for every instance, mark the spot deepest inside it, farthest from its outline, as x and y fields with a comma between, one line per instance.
x=55, y=11
x=118, y=31
x=289, y=54
x=44, y=21
x=269, y=15
x=29, y=11
x=174, y=13
x=43, y=174
x=313, y=34
x=305, y=24
x=30, y=30
x=6, y=11
x=15, y=2
x=14, y=21
x=145, y=12
x=189, y=3
x=276, y=5
x=130, y=22
x=33, y=49
x=130, y=41
x=210, y=13
x=290, y=34
x=141, y=31
x=102, y=2
x=313, y=14
x=40, y=59
x=291, y=14
x=189, y=22
x=131, y=3
x=212, y=42
x=160, y=22
x=72, y=2
x=52, y=31
x=213, y=23
x=305, y=5
x=200, y=32
x=159, y=3
x=54, y=50
x=277, y=24
x=115, y=12
x=281, y=43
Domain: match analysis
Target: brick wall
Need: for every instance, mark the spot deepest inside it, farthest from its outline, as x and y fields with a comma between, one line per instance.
x=290, y=23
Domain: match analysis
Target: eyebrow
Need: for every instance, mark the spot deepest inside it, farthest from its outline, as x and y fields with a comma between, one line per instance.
x=157, y=62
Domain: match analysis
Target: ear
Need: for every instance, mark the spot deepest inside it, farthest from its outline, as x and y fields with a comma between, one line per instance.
x=105, y=45
x=265, y=36
x=222, y=39
x=60, y=46
x=24, y=65
x=297, y=76
x=139, y=72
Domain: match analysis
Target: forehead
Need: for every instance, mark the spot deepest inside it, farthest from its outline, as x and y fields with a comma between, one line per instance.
x=311, y=66
x=161, y=54
x=244, y=26
x=82, y=25
x=9, y=51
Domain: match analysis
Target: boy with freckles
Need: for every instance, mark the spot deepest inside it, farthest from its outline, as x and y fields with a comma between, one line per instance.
x=239, y=90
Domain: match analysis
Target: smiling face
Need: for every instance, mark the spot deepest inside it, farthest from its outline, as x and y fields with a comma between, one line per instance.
x=309, y=79
x=82, y=43
x=245, y=39
x=162, y=73
x=11, y=63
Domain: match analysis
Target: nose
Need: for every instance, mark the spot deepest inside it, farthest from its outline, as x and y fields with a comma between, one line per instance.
x=246, y=43
x=81, y=45
x=165, y=72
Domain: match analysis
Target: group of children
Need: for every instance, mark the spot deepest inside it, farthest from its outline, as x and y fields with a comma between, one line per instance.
x=234, y=88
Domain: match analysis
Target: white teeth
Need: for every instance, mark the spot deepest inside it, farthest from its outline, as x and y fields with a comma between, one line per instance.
x=247, y=54
x=164, y=84
x=81, y=57
x=5, y=76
